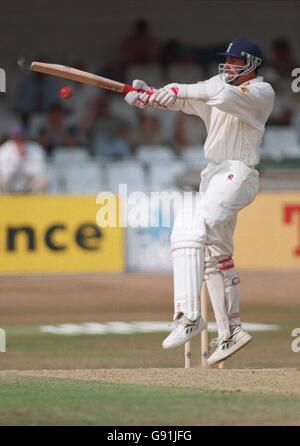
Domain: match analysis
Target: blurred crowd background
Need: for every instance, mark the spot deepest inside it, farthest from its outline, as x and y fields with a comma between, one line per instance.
x=95, y=140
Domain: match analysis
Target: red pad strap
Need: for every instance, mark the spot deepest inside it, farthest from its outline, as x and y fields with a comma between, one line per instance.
x=227, y=264
x=226, y=260
x=223, y=268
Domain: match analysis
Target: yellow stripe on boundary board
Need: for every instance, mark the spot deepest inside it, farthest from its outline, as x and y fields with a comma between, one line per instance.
x=60, y=234
x=268, y=232
x=56, y=234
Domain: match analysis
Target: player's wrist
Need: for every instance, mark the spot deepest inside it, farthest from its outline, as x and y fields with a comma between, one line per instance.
x=192, y=91
x=180, y=90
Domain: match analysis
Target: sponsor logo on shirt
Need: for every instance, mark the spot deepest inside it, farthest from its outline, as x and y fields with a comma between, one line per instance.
x=244, y=90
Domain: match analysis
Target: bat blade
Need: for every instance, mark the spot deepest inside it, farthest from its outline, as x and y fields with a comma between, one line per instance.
x=80, y=76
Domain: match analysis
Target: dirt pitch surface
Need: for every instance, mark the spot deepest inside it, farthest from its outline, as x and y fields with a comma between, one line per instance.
x=260, y=381
x=129, y=296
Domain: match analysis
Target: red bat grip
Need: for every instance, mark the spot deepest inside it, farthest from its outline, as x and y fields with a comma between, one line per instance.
x=128, y=88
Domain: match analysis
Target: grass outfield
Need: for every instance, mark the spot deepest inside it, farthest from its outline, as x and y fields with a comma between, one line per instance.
x=37, y=401
x=28, y=348
x=114, y=379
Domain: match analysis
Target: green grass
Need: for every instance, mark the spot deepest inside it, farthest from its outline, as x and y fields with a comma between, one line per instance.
x=37, y=401
x=28, y=348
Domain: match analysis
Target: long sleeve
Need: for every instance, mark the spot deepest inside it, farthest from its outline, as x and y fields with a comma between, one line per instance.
x=251, y=103
x=234, y=116
x=192, y=97
x=191, y=107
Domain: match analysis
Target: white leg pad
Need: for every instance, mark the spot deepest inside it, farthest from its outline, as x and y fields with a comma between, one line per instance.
x=232, y=294
x=188, y=275
x=216, y=289
x=223, y=286
x=187, y=245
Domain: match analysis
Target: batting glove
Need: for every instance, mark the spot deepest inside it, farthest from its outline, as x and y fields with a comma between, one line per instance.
x=139, y=99
x=164, y=97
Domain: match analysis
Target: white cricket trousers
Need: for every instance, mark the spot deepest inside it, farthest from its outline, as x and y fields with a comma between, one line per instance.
x=225, y=189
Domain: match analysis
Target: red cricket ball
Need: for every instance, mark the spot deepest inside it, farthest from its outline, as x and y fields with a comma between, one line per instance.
x=66, y=92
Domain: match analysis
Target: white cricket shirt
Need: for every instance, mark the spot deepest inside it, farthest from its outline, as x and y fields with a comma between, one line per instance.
x=234, y=117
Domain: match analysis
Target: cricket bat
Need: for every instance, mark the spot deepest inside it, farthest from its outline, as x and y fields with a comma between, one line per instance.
x=81, y=76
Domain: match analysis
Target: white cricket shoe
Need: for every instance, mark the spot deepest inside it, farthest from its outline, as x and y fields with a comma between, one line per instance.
x=229, y=346
x=183, y=330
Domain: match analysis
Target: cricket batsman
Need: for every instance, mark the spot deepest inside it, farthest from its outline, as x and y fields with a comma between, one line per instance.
x=234, y=106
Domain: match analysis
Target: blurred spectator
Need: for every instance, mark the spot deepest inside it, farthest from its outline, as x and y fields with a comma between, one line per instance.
x=282, y=60
x=140, y=46
x=171, y=52
x=207, y=56
x=148, y=130
x=189, y=130
x=36, y=94
x=22, y=164
x=284, y=103
x=113, y=70
x=174, y=52
x=278, y=74
x=107, y=133
x=56, y=132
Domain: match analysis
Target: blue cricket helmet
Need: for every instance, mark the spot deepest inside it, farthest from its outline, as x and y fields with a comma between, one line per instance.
x=239, y=48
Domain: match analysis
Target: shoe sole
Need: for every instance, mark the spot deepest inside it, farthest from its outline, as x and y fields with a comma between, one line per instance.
x=242, y=343
x=187, y=340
